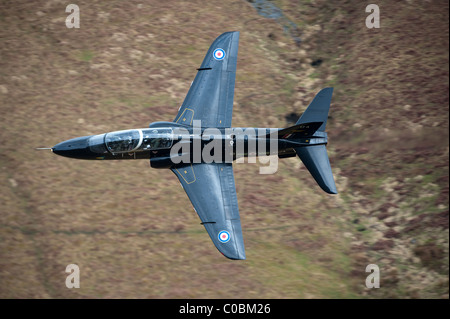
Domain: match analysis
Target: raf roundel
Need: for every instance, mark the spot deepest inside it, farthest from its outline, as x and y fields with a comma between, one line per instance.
x=224, y=236
x=219, y=54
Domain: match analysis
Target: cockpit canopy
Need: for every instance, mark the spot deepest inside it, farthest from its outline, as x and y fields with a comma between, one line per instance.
x=156, y=138
x=139, y=140
x=123, y=141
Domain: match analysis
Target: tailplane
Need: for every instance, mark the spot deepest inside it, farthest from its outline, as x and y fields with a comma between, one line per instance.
x=316, y=160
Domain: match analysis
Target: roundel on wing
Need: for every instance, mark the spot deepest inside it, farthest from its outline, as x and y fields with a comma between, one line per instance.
x=224, y=236
x=219, y=54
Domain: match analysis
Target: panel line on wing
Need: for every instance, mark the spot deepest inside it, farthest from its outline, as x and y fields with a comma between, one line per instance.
x=185, y=116
x=185, y=173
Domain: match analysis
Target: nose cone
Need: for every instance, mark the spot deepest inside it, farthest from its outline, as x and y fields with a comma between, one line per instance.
x=75, y=148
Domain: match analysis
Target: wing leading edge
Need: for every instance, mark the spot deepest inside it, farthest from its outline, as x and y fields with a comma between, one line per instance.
x=210, y=97
x=212, y=192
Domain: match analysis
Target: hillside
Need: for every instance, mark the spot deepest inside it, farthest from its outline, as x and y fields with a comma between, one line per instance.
x=132, y=229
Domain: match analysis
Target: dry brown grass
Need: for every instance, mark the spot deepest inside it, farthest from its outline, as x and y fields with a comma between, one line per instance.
x=133, y=231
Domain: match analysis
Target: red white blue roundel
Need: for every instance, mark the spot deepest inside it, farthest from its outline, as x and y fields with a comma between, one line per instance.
x=219, y=54
x=224, y=236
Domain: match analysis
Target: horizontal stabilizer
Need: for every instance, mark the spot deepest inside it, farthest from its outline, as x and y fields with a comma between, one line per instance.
x=316, y=160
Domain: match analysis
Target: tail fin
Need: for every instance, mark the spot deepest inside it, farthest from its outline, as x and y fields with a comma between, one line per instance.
x=315, y=157
x=317, y=110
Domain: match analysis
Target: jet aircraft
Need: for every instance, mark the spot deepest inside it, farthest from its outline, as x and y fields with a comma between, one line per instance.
x=210, y=185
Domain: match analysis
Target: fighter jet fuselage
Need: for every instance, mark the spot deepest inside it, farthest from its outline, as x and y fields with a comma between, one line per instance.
x=166, y=142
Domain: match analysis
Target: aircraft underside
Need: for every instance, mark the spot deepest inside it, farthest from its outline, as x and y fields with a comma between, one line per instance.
x=199, y=146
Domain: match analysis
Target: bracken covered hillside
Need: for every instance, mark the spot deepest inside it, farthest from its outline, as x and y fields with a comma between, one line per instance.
x=132, y=229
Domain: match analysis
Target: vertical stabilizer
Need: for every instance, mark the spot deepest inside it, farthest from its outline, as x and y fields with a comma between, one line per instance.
x=317, y=110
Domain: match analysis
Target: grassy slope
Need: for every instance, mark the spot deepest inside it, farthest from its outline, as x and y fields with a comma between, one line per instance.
x=131, y=64
x=389, y=123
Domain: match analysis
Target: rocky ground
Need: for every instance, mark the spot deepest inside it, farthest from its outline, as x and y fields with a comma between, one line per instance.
x=132, y=230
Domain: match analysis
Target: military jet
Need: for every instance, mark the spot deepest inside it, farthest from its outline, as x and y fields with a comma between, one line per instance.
x=204, y=119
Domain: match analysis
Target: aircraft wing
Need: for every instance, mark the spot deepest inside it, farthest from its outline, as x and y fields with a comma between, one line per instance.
x=210, y=98
x=212, y=192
